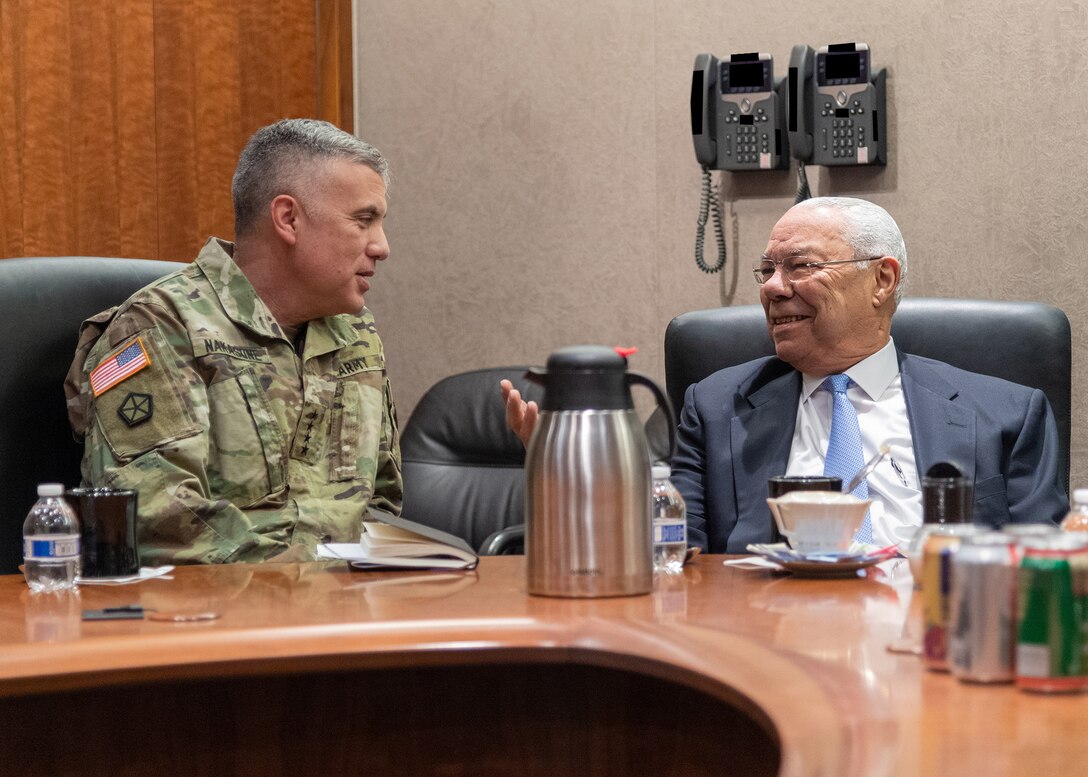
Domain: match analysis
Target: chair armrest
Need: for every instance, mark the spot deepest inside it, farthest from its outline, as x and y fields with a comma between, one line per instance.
x=505, y=542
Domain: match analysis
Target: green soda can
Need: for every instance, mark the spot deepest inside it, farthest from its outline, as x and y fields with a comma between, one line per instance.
x=1052, y=615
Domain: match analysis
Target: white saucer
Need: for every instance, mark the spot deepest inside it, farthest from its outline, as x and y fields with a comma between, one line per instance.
x=820, y=565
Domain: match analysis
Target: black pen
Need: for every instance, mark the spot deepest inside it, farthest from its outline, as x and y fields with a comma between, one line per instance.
x=899, y=472
x=124, y=612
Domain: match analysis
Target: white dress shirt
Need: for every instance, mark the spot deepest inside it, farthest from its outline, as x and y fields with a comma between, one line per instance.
x=876, y=392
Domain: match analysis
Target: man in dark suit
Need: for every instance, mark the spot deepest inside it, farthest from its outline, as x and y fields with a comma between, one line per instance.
x=830, y=279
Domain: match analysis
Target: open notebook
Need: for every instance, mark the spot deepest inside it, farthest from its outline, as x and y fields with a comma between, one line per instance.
x=389, y=541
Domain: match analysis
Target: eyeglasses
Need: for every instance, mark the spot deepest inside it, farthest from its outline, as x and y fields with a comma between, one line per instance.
x=795, y=272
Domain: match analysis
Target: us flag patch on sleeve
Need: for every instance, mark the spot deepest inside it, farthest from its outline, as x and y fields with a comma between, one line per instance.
x=123, y=364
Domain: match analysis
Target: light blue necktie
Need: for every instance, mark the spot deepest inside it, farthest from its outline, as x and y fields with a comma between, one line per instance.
x=844, y=455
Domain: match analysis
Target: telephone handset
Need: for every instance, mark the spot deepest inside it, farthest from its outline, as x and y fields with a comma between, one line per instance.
x=704, y=88
x=799, y=103
x=836, y=106
x=704, y=108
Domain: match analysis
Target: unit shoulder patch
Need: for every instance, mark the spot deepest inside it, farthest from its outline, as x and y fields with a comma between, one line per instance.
x=136, y=408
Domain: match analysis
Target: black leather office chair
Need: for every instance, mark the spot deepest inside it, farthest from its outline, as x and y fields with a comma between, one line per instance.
x=43, y=300
x=1025, y=342
x=463, y=467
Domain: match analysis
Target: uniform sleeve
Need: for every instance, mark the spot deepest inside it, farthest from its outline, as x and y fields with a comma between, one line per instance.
x=149, y=432
x=388, y=486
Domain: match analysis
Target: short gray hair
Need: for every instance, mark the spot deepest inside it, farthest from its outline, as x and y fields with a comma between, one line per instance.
x=277, y=156
x=869, y=229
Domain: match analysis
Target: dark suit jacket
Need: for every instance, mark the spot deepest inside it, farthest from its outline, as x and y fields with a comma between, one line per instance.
x=737, y=425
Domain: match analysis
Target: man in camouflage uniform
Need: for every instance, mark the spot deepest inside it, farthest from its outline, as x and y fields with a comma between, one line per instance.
x=245, y=397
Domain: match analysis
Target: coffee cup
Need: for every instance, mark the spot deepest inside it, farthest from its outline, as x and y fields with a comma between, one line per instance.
x=783, y=484
x=107, y=526
x=818, y=521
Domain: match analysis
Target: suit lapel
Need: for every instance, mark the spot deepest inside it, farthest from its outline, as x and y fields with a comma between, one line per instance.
x=941, y=429
x=760, y=436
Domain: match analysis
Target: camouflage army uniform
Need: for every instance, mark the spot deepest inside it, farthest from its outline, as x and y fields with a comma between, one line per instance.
x=240, y=448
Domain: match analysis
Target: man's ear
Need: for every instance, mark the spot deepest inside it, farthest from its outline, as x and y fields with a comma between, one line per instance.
x=887, y=280
x=285, y=212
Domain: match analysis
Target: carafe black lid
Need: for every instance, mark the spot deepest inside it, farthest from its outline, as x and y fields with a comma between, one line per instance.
x=576, y=358
x=586, y=377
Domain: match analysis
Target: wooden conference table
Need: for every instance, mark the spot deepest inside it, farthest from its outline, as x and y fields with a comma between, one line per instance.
x=318, y=669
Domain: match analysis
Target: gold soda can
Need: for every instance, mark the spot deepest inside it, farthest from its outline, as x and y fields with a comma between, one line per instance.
x=937, y=555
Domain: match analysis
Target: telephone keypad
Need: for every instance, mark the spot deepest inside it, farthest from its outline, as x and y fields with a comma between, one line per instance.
x=845, y=138
x=747, y=135
x=750, y=141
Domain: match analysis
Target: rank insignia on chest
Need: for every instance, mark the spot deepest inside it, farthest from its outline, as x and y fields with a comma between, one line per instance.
x=136, y=408
x=121, y=365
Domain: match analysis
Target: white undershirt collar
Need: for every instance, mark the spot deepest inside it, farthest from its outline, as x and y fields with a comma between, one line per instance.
x=873, y=374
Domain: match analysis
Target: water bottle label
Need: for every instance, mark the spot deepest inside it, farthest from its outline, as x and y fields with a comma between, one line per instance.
x=670, y=532
x=51, y=546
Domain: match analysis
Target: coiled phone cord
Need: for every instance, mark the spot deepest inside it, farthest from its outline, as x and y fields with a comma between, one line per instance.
x=803, y=192
x=700, y=230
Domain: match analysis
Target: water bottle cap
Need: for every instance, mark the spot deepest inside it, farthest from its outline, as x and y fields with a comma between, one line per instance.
x=50, y=489
x=664, y=470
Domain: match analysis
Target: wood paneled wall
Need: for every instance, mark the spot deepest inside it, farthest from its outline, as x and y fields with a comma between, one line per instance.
x=121, y=120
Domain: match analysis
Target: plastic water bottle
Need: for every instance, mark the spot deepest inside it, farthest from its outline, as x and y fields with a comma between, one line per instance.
x=1077, y=517
x=51, y=542
x=670, y=528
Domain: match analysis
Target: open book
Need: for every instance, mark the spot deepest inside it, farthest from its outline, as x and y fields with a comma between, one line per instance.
x=393, y=542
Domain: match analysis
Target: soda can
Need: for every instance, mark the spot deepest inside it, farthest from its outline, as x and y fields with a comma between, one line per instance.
x=940, y=547
x=1022, y=532
x=982, y=610
x=1052, y=613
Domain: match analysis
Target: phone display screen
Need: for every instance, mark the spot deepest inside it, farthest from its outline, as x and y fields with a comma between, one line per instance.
x=841, y=67
x=745, y=77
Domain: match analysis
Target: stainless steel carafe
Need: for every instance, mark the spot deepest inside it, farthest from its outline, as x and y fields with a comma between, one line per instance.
x=588, y=525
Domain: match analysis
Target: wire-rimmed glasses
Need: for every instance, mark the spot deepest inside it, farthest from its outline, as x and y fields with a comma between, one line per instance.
x=796, y=271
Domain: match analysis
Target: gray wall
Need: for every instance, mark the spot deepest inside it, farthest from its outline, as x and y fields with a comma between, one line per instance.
x=546, y=191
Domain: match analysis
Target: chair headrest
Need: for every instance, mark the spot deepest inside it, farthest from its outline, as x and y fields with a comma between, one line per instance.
x=462, y=419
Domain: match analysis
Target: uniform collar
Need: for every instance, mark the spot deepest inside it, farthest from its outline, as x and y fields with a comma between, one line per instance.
x=242, y=304
x=329, y=334
x=236, y=294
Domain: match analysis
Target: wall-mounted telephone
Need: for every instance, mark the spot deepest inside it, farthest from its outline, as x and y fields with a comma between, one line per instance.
x=738, y=122
x=836, y=111
x=737, y=113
